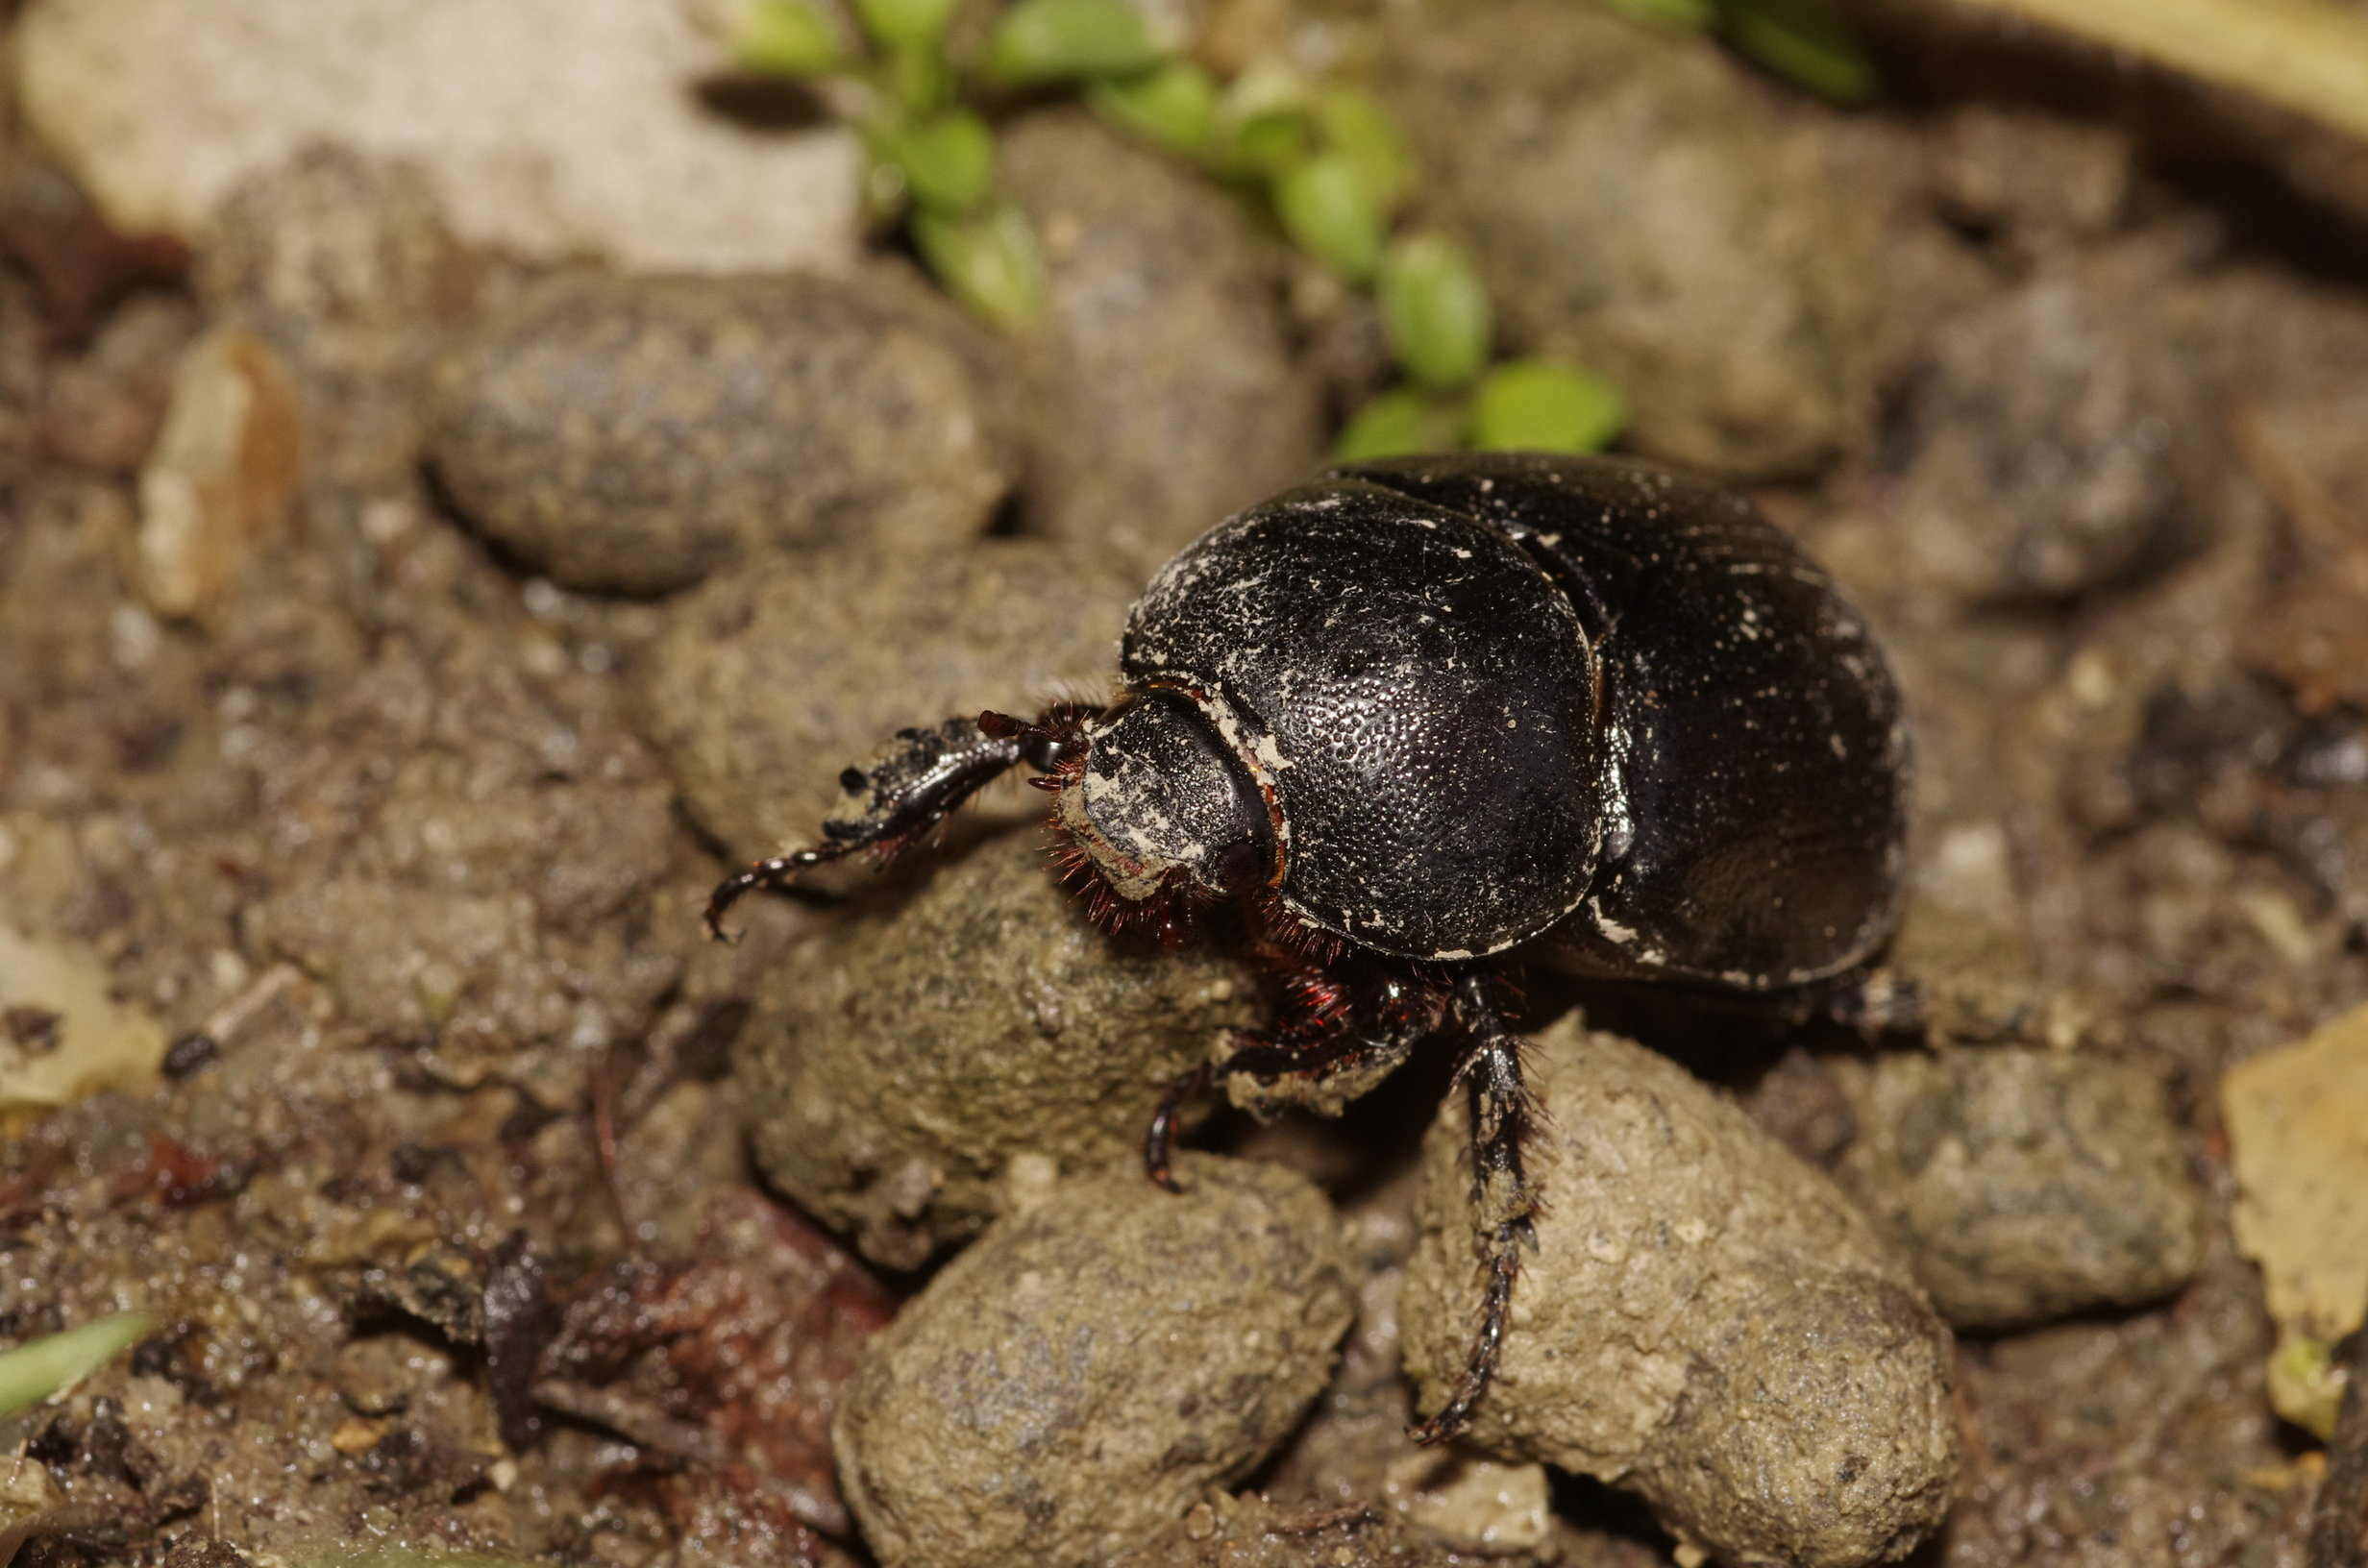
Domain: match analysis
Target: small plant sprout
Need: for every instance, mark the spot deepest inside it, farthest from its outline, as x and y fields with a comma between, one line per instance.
x=1804, y=42
x=1436, y=311
x=1404, y=418
x=1335, y=173
x=1173, y=106
x=1328, y=210
x=1323, y=160
x=1539, y=406
x=43, y=1368
x=1039, y=42
x=787, y=37
x=988, y=261
x=906, y=24
x=932, y=156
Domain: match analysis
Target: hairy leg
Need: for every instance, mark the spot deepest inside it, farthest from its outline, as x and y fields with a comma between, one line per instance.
x=1332, y=1023
x=1506, y=1199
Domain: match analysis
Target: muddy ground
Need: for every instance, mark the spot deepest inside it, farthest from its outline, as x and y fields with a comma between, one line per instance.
x=379, y=759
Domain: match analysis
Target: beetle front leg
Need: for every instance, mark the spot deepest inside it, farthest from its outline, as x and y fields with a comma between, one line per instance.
x=1270, y=1062
x=917, y=781
x=1367, y=1040
x=1505, y=1199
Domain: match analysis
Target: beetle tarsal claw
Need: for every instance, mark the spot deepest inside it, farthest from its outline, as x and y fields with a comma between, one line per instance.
x=778, y=872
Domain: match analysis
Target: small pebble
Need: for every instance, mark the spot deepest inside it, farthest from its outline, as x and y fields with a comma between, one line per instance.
x=221, y=483
x=2052, y=445
x=1073, y=1384
x=634, y=433
x=917, y=1072
x=1169, y=392
x=1706, y=1321
x=2024, y=1183
x=1639, y=208
x=1253, y=1532
x=767, y=683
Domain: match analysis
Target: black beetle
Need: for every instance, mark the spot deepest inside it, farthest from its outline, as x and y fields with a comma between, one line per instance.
x=1427, y=712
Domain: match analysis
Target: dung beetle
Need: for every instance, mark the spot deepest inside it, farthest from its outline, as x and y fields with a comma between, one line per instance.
x=1424, y=715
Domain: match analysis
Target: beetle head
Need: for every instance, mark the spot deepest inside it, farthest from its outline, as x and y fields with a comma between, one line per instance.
x=1160, y=805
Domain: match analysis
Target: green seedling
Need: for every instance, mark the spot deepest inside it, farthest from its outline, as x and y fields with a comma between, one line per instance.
x=987, y=259
x=1804, y=42
x=1037, y=42
x=946, y=160
x=40, y=1368
x=1436, y=311
x=1539, y=406
x=906, y=24
x=1356, y=127
x=1172, y=106
x=1326, y=207
x=1399, y=423
x=789, y=37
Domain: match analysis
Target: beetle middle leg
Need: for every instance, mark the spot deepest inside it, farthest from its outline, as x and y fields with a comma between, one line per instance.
x=919, y=780
x=1506, y=1198
x=1330, y=1027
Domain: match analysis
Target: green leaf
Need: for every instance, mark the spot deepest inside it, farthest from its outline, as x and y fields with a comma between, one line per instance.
x=1037, y=41
x=920, y=80
x=1537, y=405
x=32, y=1371
x=947, y=161
x=1327, y=211
x=987, y=259
x=1803, y=41
x=1265, y=122
x=1174, y=106
x=1355, y=126
x=1435, y=309
x=788, y=38
x=905, y=24
x=1668, y=13
x=1399, y=423
x=1268, y=141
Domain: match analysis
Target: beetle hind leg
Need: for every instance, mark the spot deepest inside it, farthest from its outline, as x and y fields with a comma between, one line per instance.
x=912, y=784
x=1504, y=1195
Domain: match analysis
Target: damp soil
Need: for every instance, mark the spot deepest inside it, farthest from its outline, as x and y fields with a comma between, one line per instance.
x=430, y=1150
